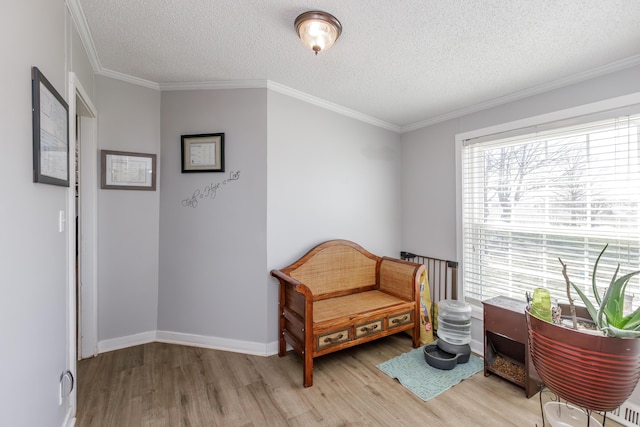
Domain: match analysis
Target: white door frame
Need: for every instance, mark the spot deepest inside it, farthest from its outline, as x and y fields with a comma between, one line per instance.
x=80, y=104
x=88, y=313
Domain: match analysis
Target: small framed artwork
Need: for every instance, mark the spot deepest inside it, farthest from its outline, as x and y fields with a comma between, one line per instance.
x=121, y=170
x=203, y=153
x=50, y=132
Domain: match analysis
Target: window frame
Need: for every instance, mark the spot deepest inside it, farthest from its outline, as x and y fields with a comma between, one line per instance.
x=514, y=126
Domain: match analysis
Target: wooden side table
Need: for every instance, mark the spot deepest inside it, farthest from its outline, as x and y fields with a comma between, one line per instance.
x=506, y=352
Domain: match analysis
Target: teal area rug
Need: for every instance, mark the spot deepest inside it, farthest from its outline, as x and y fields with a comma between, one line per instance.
x=423, y=380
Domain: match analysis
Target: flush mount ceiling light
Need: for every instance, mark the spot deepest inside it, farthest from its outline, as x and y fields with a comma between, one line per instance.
x=318, y=30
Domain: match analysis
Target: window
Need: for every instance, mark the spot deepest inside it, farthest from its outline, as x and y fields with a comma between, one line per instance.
x=560, y=191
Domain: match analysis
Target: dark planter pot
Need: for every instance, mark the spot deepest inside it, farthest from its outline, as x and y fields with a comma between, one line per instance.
x=591, y=371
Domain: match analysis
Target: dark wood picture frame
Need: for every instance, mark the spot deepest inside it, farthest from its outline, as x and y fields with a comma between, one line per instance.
x=122, y=170
x=50, y=121
x=202, y=152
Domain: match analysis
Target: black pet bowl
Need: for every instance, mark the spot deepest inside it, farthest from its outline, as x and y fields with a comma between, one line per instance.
x=438, y=355
x=463, y=351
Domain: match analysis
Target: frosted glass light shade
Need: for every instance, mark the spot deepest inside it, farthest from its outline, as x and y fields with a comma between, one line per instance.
x=318, y=30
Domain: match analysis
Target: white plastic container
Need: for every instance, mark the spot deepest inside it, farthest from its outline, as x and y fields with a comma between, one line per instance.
x=453, y=337
x=454, y=322
x=456, y=327
x=454, y=311
x=561, y=414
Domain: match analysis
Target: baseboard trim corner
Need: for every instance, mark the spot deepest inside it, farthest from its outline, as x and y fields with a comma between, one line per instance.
x=214, y=343
x=127, y=341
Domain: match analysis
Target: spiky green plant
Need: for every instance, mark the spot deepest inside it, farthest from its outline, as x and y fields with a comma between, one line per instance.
x=608, y=312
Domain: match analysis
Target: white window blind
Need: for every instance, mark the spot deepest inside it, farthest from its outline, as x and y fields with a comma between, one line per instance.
x=561, y=191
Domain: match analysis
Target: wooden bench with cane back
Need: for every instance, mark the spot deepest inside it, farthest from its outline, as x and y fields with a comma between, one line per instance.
x=339, y=295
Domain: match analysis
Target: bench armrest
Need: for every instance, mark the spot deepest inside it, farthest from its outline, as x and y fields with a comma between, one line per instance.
x=400, y=278
x=284, y=277
x=286, y=280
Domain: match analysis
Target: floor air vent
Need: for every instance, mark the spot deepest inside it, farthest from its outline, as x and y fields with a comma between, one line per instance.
x=627, y=415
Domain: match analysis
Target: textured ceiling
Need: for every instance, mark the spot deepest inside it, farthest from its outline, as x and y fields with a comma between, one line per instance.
x=402, y=62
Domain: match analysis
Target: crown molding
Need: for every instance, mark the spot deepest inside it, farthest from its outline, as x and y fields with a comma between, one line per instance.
x=215, y=85
x=280, y=88
x=623, y=64
x=128, y=78
x=75, y=10
x=294, y=93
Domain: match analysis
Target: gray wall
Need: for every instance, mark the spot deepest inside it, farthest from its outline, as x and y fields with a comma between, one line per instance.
x=429, y=191
x=33, y=253
x=128, y=220
x=329, y=177
x=213, y=256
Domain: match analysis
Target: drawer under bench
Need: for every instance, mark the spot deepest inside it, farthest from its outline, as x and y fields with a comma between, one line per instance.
x=352, y=319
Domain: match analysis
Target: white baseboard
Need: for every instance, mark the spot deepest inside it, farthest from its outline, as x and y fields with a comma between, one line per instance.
x=128, y=341
x=215, y=343
x=273, y=348
x=477, y=347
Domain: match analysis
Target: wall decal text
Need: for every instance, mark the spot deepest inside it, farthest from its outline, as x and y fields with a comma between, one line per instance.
x=209, y=191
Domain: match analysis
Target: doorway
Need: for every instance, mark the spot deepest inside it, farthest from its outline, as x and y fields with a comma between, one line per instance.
x=87, y=223
x=82, y=331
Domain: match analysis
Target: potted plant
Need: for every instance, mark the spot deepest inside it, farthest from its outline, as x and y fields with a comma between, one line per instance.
x=608, y=312
x=596, y=371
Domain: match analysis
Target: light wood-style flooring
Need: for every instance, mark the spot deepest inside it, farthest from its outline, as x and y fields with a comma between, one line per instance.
x=170, y=385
